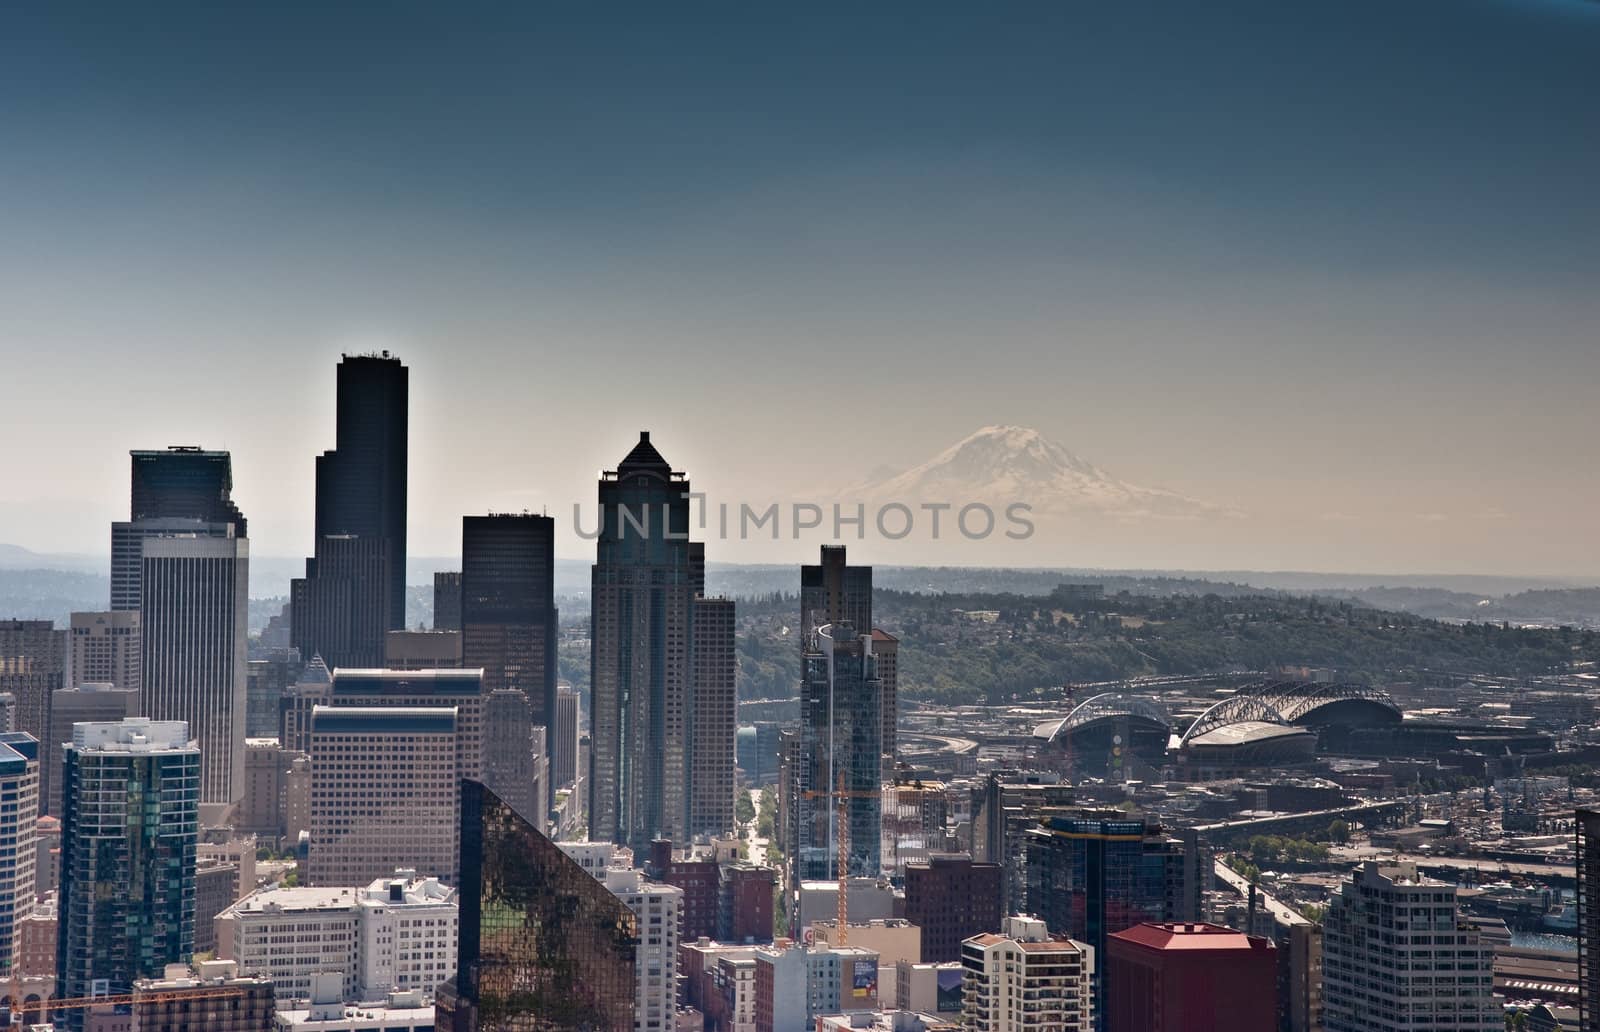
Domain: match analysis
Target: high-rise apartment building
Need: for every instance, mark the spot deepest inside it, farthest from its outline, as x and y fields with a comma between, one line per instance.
x=840, y=736
x=447, y=600
x=1023, y=979
x=383, y=793
x=19, y=818
x=508, y=610
x=543, y=945
x=85, y=702
x=835, y=592
x=1189, y=978
x=1004, y=808
x=1092, y=874
x=564, y=739
x=461, y=690
x=104, y=648
x=656, y=907
x=714, y=723
x=646, y=577
x=1396, y=955
x=130, y=821
x=355, y=584
x=951, y=899
x=1588, y=834
x=33, y=659
x=194, y=604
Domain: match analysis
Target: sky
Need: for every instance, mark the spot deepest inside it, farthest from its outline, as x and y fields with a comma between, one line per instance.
x=1330, y=267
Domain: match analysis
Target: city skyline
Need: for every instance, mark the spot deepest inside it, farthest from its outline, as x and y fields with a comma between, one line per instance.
x=1070, y=221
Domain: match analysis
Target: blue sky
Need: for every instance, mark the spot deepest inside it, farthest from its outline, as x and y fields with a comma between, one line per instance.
x=1298, y=259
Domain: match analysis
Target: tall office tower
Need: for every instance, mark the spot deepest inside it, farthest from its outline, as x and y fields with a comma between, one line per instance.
x=952, y=899
x=508, y=606
x=383, y=793
x=1189, y=978
x=267, y=680
x=645, y=579
x=508, y=752
x=355, y=583
x=194, y=602
x=564, y=739
x=104, y=648
x=840, y=732
x=1396, y=955
x=181, y=490
x=86, y=703
x=1023, y=979
x=1004, y=809
x=461, y=690
x=130, y=820
x=835, y=592
x=33, y=659
x=19, y=819
x=315, y=688
x=715, y=721
x=447, y=600
x=543, y=945
x=1093, y=874
x=1588, y=831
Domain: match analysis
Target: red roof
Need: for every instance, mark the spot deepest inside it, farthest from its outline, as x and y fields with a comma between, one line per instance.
x=1208, y=937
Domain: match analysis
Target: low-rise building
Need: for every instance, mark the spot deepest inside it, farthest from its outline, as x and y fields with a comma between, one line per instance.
x=409, y=1010
x=213, y=997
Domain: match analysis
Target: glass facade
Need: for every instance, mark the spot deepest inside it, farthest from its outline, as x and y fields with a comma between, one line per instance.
x=543, y=944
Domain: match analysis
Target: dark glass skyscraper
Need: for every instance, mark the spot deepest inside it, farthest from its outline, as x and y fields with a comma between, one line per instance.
x=645, y=579
x=181, y=490
x=354, y=587
x=508, y=611
x=835, y=592
x=543, y=945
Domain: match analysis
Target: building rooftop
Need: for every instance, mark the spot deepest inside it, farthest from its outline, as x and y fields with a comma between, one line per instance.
x=1208, y=937
x=390, y=719
x=365, y=681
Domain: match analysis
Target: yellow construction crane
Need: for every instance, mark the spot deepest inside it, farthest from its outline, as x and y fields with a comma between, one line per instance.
x=843, y=920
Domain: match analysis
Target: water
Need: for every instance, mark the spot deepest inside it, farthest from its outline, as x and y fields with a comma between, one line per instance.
x=1545, y=941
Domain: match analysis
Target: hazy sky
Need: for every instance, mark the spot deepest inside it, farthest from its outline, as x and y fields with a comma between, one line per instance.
x=1332, y=265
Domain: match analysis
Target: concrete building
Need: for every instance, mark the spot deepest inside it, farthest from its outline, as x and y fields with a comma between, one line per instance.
x=314, y=688
x=745, y=902
x=398, y=932
x=193, y=606
x=211, y=997
x=422, y=650
x=1022, y=979
x=87, y=701
x=564, y=739
x=35, y=937
x=796, y=984
x=447, y=600
x=928, y=988
x=33, y=660
x=1189, y=978
x=277, y=787
x=326, y=1010
x=511, y=754
x=19, y=818
x=870, y=899
x=1431, y=971
x=384, y=791
x=461, y=690
x=893, y=939
x=130, y=819
x=104, y=649
x=268, y=676
x=951, y=898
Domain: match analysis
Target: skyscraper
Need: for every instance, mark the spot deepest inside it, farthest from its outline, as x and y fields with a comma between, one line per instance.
x=833, y=591
x=564, y=739
x=1396, y=955
x=33, y=658
x=1189, y=978
x=383, y=793
x=1588, y=830
x=508, y=609
x=354, y=587
x=840, y=735
x=194, y=604
x=1093, y=874
x=179, y=490
x=447, y=600
x=952, y=899
x=508, y=753
x=543, y=945
x=644, y=581
x=130, y=816
x=1025, y=979
x=715, y=719
x=461, y=690
x=19, y=817
x=88, y=702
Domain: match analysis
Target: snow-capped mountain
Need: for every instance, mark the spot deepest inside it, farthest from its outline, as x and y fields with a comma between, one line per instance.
x=1003, y=464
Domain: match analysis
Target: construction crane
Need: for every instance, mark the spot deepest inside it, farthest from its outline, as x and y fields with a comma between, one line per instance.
x=20, y=1009
x=843, y=817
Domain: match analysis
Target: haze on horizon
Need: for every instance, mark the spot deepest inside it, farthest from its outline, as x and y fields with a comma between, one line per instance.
x=1329, y=268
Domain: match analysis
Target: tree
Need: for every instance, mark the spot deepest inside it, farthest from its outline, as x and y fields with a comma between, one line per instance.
x=744, y=811
x=1339, y=832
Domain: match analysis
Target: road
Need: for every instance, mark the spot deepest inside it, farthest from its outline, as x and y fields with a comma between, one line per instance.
x=758, y=845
